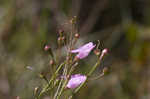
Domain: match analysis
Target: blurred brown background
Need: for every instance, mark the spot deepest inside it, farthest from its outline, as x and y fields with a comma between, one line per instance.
x=122, y=26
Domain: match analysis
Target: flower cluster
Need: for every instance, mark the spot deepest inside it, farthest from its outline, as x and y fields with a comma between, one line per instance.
x=62, y=75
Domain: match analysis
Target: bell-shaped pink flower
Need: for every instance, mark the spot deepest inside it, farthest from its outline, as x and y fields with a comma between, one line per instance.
x=84, y=50
x=76, y=80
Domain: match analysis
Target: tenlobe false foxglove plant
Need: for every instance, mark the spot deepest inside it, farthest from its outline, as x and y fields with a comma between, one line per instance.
x=56, y=85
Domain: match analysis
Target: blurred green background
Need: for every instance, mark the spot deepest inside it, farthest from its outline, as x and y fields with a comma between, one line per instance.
x=122, y=26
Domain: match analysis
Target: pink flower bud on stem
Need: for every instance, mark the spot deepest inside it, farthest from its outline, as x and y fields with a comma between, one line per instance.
x=98, y=62
x=48, y=49
x=36, y=89
x=77, y=35
x=51, y=62
x=103, y=53
x=61, y=40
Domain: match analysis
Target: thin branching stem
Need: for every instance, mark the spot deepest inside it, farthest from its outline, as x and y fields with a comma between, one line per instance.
x=51, y=80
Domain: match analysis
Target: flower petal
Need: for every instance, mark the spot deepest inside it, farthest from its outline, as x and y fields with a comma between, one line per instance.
x=76, y=80
x=84, y=50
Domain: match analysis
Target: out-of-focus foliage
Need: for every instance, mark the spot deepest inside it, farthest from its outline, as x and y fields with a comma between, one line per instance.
x=123, y=26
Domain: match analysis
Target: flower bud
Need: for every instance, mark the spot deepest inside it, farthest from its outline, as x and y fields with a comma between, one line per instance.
x=105, y=51
x=61, y=40
x=77, y=35
x=36, y=90
x=51, y=62
x=105, y=70
x=47, y=47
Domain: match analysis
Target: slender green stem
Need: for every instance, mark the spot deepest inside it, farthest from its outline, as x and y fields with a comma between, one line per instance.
x=59, y=86
x=61, y=90
x=93, y=69
x=65, y=73
x=51, y=80
x=89, y=74
x=56, y=96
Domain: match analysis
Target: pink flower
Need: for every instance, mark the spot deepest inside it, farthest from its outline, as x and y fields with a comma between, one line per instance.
x=76, y=80
x=84, y=50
